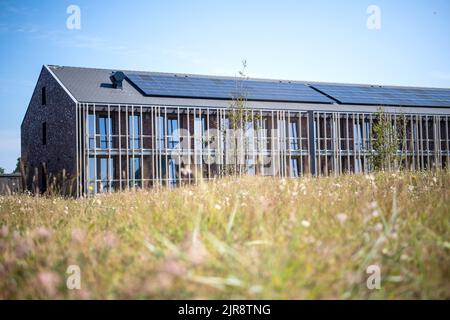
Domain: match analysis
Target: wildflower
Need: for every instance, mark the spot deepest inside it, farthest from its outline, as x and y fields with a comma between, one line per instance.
x=78, y=235
x=282, y=185
x=48, y=281
x=255, y=289
x=194, y=248
x=353, y=277
x=292, y=217
x=410, y=188
x=66, y=210
x=305, y=223
x=84, y=294
x=217, y=206
x=2, y=270
x=375, y=213
x=23, y=247
x=342, y=217
x=109, y=239
x=174, y=267
x=42, y=233
x=4, y=231
x=378, y=227
x=394, y=235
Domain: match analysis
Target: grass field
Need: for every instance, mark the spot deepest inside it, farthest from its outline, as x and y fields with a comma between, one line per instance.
x=255, y=238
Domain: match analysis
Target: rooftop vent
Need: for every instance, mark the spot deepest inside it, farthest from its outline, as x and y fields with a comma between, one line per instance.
x=117, y=79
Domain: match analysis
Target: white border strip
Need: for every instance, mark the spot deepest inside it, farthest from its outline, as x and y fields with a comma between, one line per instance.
x=60, y=83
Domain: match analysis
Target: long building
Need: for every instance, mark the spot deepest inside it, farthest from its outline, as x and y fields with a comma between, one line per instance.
x=97, y=130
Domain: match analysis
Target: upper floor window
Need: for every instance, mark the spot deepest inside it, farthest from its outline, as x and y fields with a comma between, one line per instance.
x=172, y=132
x=91, y=122
x=43, y=96
x=101, y=130
x=160, y=132
x=293, y=135
x=105, y=130
x=199, y=131
x=134, y=131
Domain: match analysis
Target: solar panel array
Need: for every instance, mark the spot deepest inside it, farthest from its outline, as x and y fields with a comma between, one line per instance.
x=219, y=88
x=380, y=95
x=271, y=90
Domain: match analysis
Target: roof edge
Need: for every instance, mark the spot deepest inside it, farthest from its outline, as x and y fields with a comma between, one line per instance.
x=60, y=83
x=305, y=82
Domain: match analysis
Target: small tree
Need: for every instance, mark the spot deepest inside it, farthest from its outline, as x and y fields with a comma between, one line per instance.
x=239, y=116
x=2, y=170
x=387, y=142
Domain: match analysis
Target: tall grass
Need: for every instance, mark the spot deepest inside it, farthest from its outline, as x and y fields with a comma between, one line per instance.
x=255, y=237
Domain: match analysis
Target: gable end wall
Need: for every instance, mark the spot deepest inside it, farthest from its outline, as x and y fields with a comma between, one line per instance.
x=60, y=150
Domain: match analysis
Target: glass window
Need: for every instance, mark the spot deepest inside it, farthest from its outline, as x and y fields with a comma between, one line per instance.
x=357, y=133
x=43, y=96
x=282, y=133
x=367, y=134
x=91, y=124
x=250, y=166
x=99, y=173
x=134, y=130
x=172, y=173
x=173, y=134
x=99, y=126
x=160, y=134
x=293, y=135
x=199, y=131
x=294, y=167
x=105, y=171
x=92, y=177
x=135, y=170
x=249, y=137
x=415, y=137
x=104, y=126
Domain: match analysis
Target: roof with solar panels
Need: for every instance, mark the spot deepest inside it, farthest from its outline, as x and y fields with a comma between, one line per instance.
x=138, y=87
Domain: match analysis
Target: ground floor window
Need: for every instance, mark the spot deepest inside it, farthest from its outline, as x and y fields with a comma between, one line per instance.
x=294, y=167
x=101, y=174
x=135, y=171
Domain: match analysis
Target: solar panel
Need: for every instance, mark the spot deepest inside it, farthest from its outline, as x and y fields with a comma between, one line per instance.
x=222, y=88
x=379, y=95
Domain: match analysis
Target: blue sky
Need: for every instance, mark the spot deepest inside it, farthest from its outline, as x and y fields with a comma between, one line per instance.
x=300, y=40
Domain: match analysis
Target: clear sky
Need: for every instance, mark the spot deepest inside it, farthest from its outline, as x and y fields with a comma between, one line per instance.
x=300, y=40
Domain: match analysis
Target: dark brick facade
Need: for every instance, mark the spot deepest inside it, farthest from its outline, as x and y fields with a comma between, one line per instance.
x=45, y=163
